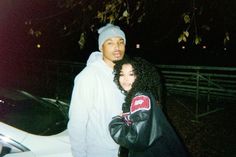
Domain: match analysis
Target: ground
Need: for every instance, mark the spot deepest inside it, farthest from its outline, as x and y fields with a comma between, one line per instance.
x=212, y=135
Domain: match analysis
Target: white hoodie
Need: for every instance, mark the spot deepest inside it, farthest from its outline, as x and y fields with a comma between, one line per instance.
x=95, y=100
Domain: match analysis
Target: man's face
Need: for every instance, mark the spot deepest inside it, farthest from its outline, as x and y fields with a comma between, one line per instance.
x=113, y=49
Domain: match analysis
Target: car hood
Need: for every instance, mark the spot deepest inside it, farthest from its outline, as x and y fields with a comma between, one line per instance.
x=12, y=132
x=58, y=143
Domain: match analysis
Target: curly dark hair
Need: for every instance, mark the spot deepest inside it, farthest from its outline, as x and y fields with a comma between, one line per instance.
x=147, y=78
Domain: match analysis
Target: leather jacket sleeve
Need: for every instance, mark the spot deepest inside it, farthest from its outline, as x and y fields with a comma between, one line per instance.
x=136, y=129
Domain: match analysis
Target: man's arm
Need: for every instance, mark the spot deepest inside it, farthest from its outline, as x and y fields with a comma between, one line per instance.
x=78, y=116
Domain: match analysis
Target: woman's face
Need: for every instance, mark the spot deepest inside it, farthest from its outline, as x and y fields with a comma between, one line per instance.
x=127, y=77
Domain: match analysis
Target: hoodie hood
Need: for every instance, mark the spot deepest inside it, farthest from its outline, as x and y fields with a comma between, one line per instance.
x=94, y=56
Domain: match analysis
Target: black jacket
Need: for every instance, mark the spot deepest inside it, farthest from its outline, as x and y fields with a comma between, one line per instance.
x=145, y=131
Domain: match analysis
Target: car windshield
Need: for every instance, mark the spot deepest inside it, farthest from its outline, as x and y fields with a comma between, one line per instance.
x=31, y=114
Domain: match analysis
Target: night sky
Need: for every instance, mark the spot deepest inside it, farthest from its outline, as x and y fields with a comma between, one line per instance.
x=157, y=35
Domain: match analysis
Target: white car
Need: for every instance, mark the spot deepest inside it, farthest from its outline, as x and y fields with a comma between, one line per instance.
x=31, y=126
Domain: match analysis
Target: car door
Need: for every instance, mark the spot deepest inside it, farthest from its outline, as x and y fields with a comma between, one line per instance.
x=23, y=154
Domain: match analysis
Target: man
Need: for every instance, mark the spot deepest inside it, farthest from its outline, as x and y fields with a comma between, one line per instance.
x=96, y=98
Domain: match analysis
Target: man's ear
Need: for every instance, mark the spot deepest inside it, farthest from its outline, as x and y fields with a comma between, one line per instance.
x=101, y=49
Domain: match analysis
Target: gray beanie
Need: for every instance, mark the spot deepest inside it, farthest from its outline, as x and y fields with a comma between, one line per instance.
x=109, y=31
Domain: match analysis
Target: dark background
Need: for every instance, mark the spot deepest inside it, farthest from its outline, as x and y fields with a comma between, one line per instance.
x=157, y=35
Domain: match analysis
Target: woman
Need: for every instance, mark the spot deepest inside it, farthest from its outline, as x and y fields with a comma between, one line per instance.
x=142, y=128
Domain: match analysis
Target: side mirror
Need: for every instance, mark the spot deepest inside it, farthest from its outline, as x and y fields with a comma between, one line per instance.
x=4, y=150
